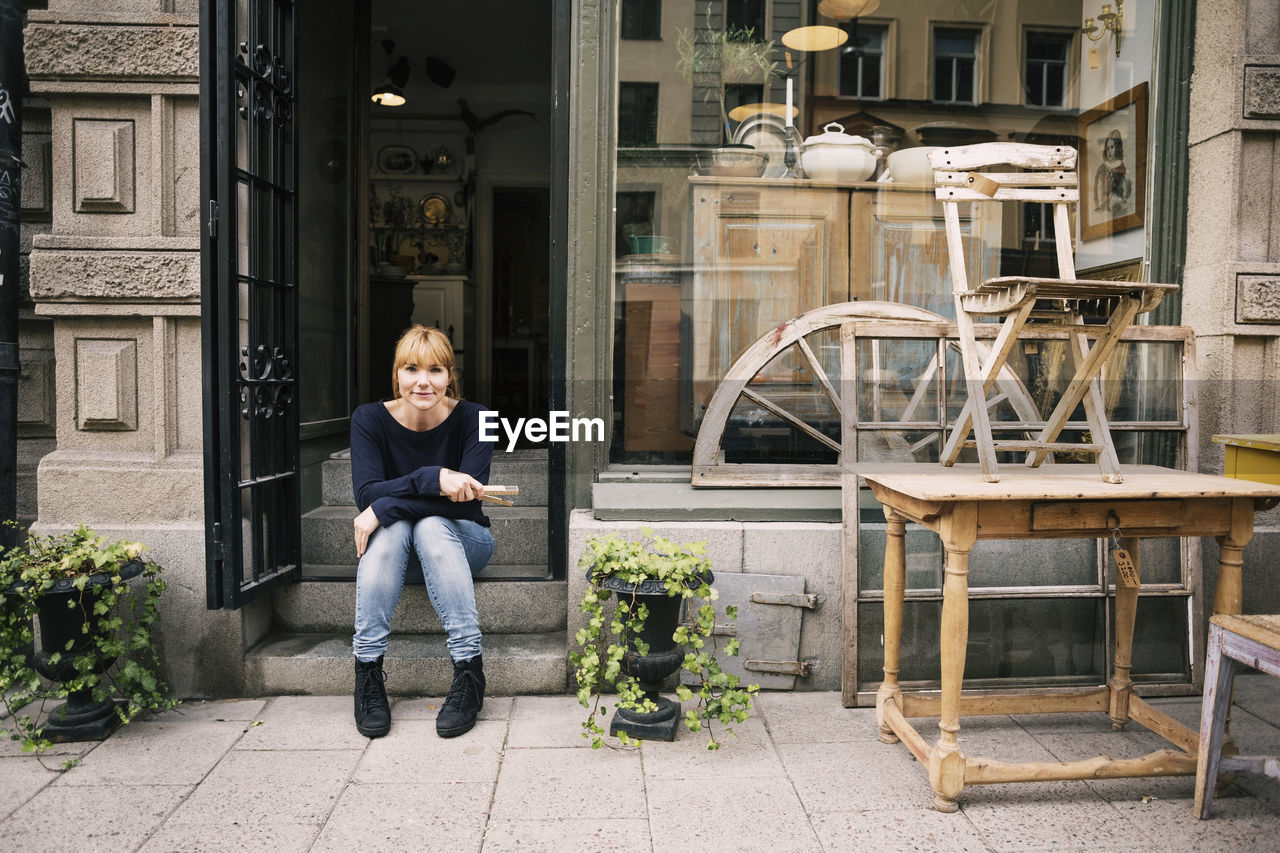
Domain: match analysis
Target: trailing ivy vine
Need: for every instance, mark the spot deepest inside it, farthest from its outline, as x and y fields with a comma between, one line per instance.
x=683, y=571
x=119, y=616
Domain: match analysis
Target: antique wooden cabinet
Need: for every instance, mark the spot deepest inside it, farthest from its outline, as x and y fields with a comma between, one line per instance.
x=766, y=250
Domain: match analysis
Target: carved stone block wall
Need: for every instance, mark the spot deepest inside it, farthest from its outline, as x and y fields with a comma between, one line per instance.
x=103, y=152
x=106, y=384
x=1231, y=287
x=1258, y=299
x=1262, y=91
x=118, y=280
x=109, y=186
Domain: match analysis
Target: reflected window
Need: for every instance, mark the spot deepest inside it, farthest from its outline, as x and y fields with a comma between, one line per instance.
x=862, y=63
x=637, y=114
x=1046, y=69
x=634, y=221
x=641, y=19
x=745, y=19
x=955, y=65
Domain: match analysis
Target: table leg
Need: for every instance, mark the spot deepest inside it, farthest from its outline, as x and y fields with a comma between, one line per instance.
x=895, y=581
x=1228, y=593
x=1126, y=613
x=958, y=531
x=1228, y=597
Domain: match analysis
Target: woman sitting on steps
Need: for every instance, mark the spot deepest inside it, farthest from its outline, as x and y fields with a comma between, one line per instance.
x=418, y=469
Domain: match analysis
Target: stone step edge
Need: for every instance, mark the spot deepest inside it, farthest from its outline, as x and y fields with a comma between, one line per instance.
x=416, y=664
x=347, y=512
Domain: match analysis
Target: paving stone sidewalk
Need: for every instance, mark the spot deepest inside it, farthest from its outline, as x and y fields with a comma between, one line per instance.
x=291, y=773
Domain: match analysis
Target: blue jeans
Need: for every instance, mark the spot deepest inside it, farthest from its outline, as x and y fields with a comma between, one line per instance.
x=452, y=552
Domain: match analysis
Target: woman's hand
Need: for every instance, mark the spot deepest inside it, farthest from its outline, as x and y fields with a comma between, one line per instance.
x=459, y=487
x=366, y=522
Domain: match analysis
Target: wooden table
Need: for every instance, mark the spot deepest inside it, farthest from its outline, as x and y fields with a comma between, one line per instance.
x=1055, y=501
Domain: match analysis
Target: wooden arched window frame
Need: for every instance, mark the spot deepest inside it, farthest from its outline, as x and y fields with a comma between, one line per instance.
x=851, y=320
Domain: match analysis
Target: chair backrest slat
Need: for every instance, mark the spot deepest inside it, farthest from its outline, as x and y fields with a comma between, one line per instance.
x=1056, y=178
x=1049, y=177
x=1066, y=195
x=1018, y=154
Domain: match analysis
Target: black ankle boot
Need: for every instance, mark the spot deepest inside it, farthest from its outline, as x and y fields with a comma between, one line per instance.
x=373, y=712
x=466, y=698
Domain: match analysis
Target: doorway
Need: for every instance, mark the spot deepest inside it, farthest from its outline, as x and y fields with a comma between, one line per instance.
x=452, y=240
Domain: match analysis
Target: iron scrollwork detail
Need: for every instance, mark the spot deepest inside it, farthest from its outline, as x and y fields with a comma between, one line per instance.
x=266, y=387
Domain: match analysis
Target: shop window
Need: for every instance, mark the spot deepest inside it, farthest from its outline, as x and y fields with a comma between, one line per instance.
x=862, y=63
x=955, y=65
x=714, y=258
x=745, y=18
x=641, y=19
x=1046, y=69
x=637, y=114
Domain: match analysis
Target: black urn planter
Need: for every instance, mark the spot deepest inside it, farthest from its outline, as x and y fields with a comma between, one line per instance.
x=81, y=717
x=650, y=670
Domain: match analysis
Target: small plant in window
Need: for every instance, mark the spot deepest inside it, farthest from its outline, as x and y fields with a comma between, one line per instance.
x=711, y=58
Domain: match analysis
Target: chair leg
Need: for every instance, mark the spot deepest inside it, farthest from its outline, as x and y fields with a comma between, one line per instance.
x=1095, y=412
x=976, y=390
x=1219, y=673
x=1085, y=374
x=997, y=355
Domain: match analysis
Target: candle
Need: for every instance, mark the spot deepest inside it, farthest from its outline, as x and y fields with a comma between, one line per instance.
x=789, y=81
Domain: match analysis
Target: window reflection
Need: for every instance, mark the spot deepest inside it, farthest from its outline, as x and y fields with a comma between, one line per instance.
x=715, y=248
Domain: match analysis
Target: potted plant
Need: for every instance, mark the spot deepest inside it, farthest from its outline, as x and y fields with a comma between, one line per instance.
x=638, y=642
x=710, y=57
x=77, y=588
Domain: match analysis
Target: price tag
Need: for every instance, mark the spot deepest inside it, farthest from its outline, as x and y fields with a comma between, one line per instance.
x=1127, y=572
x=1095, y=60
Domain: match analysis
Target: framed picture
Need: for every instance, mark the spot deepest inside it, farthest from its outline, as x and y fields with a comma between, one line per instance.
x=1113, y=164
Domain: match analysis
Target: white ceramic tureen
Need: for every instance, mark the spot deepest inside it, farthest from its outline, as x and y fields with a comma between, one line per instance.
x=836, y=156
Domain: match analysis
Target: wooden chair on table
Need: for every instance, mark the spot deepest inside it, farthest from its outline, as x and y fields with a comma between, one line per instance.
x=1255, y=641
x=1047, y=176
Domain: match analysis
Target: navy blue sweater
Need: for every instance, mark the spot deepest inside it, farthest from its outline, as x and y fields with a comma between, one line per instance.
x=396, y=470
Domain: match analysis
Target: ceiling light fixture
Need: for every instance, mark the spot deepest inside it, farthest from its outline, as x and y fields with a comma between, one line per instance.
x=391, y=92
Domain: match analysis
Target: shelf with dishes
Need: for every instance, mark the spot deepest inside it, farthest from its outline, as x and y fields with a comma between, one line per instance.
x=422, y=231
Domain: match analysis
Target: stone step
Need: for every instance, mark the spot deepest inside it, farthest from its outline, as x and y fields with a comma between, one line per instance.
x=506, y=607
x=524, y=468
x=320, y=664
x=503, y=572
x=520, y=535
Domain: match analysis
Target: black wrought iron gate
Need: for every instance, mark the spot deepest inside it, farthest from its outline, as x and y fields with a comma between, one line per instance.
x=250, y=299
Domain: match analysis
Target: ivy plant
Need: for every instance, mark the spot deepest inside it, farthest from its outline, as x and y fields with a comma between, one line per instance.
x=120, y=618
x=683, y=571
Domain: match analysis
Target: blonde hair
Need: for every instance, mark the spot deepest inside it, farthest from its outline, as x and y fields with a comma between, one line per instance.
x=424, y=346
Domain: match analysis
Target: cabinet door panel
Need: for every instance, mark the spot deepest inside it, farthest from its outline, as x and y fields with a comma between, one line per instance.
x=900, y=248
x=762, y=256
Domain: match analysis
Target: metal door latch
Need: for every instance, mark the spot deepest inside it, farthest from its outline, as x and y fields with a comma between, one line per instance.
x=807, y=600
x=782, y=667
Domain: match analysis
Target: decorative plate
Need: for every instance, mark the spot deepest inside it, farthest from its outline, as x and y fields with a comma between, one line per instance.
x=766, y=133
x=435, y=208
x=397, y=160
